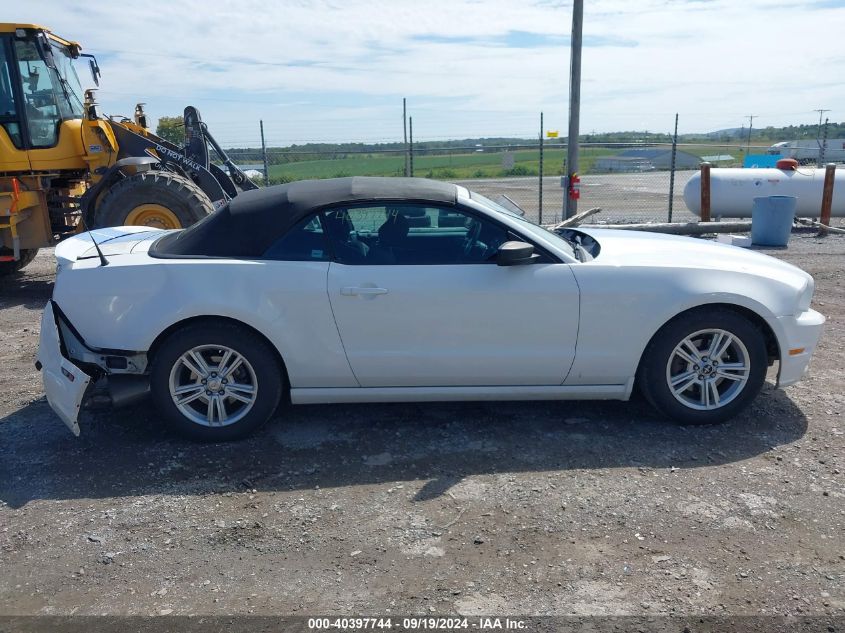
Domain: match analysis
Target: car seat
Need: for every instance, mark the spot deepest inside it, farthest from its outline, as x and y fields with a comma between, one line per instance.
x=347, y=247
x=391, y=238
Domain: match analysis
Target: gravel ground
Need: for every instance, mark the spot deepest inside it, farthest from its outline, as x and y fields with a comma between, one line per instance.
x=584, y=508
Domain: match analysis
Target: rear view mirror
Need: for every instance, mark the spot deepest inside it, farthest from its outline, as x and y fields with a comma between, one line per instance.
x=515, y=253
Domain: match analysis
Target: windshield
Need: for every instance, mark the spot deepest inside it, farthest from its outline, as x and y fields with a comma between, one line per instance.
x=51, y=95
x=69, y=81
x=528, y=226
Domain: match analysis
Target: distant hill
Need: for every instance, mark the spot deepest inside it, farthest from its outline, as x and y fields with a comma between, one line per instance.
x=731, y=132
x=767, y=135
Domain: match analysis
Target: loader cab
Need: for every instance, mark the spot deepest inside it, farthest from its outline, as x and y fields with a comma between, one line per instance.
x=41, y=101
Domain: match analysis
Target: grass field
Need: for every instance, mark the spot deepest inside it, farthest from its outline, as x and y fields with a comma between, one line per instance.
x=454, y=166
x=487, y=164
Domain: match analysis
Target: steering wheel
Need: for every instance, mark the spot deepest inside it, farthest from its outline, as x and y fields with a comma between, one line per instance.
x=472, y=237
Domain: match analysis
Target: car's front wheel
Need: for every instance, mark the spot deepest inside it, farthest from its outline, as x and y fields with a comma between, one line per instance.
x=215, y=382
x=704, y=367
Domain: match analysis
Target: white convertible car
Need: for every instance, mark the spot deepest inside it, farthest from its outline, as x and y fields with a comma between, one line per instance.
x=392, y=290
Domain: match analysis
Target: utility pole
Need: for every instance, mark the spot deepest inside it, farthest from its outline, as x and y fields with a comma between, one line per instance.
x=570, y=205
x=821, y=112
x=264, y=155
x=750, y=118
x=823, y=144
x=405, y=130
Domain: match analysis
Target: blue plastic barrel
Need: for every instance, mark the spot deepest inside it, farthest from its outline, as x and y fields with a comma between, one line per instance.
x=772, y=218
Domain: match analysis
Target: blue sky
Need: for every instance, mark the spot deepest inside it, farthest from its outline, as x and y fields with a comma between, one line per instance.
x=332, y=70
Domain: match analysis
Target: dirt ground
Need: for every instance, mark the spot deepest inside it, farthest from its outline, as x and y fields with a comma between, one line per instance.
x=493, y=508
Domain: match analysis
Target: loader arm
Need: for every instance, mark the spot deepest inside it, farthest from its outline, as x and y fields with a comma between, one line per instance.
x=135, y=144
x=197, y=140
x=236, y=173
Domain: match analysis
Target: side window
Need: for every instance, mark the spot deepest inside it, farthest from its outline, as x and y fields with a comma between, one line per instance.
x=42, y=112
x=8, y=111
x=411, y=234
x=7, y=96
x=305, y=242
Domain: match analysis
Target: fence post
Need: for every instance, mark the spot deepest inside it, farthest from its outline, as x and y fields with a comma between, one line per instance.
x=672, y=172
x=827, y=196
x=405, y=134
x=705, y=192
x=540, y=201
x=264, y=155
x=411, y=146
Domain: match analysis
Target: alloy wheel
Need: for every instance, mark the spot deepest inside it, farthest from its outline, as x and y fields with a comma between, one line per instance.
x=708, y=369
x=213, y=385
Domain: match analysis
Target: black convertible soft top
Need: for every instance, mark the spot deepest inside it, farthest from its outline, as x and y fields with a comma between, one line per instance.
x=254, y=220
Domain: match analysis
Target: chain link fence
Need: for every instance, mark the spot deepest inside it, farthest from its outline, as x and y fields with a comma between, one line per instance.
x=622, y=198
x=630, y=182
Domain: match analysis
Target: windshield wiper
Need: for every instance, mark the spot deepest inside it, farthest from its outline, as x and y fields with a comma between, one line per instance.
x=67, y=90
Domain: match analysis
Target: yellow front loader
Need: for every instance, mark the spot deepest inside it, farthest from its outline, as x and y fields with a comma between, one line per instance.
x=64, y=167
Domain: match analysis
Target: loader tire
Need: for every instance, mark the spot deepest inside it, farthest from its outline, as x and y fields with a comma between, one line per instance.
x=157, y=199
x=9, y=268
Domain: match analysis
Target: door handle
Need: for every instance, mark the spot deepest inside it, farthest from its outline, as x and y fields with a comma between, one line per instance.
x=354, y=291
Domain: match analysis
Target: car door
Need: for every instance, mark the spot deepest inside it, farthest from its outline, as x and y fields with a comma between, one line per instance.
x=422, y=303
x=291, y=284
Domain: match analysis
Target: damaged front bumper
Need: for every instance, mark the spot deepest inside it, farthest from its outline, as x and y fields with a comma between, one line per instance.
x=113, y=377
x=64, y=383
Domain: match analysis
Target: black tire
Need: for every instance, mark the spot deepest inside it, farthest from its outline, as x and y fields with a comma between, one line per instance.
x=9, y=268
x=654, y=370
x=184, y=199
x=260, y=360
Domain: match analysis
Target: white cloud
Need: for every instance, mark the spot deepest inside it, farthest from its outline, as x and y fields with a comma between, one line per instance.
x=338, y=70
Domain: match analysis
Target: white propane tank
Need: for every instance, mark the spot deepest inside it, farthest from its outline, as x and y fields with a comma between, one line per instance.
x=732, y=190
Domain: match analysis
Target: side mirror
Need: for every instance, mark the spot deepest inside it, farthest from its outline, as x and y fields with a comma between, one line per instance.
x=94, y=67
x=95, y=71
x=515, y=254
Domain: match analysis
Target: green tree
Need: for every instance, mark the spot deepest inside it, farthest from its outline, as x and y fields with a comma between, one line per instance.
x=172, y=128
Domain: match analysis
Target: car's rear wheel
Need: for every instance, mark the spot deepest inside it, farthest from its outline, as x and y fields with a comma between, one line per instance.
x=704, y=367
x=215, y=382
